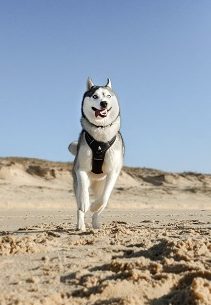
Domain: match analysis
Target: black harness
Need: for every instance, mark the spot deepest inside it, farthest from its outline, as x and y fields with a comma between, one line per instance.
x=98, y=151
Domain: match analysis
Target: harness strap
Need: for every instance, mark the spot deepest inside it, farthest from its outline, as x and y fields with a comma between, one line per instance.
x=98, y=151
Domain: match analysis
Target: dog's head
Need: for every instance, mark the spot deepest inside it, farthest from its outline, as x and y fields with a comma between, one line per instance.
x=100, y=105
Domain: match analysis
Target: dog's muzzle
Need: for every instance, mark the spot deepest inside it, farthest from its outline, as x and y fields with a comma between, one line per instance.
x=101, y=112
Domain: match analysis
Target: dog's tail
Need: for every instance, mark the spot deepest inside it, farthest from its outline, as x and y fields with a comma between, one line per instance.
x=73, y=147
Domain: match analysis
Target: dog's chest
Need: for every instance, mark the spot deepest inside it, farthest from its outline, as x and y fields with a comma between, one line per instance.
x=99, y=150
x=87, y=159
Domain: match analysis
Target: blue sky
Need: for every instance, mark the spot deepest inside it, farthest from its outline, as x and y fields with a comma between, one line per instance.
x=157, y=54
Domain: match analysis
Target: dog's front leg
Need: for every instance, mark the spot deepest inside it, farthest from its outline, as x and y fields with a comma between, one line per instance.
x=82, y=198
x=103, y=201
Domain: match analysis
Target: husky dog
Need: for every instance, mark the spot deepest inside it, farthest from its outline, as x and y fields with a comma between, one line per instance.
x=98, y=152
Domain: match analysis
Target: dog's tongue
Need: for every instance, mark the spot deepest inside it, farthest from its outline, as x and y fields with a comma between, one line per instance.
x=102, y=113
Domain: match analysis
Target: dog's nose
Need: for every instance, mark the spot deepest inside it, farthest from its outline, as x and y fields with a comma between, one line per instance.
x=103, y=104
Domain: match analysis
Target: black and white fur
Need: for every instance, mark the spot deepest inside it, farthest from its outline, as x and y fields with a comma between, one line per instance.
x=101, y=119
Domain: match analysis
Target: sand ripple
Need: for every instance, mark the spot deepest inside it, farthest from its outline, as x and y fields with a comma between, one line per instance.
x=123, y=263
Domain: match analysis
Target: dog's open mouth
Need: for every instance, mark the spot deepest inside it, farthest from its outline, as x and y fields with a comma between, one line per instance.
x=101, y=112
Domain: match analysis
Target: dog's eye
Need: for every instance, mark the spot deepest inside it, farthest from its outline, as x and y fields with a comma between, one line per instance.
x=95, y=96
x=109, y=96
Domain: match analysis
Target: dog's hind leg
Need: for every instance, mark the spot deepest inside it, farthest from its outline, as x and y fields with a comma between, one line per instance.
x=102, y=202
x=82, y=197
x=97, y=188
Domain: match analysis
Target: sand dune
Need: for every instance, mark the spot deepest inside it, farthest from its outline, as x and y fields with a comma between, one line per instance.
x=154, y=246
x=42, y=184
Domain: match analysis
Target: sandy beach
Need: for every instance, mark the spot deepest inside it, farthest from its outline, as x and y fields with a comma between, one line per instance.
x=154, y=246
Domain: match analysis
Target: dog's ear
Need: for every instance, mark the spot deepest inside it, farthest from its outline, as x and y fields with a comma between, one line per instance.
x=108, y=83
x=90, y=84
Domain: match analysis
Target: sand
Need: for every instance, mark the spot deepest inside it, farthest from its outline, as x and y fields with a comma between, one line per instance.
x=154, y=246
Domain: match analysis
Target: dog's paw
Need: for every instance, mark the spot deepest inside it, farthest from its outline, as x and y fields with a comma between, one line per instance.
x=95, y=222
x=81, y=228
x=80, y=221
